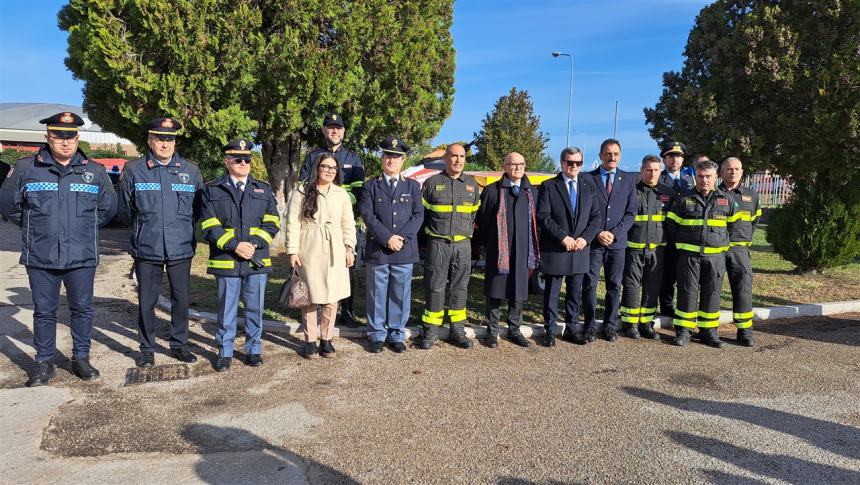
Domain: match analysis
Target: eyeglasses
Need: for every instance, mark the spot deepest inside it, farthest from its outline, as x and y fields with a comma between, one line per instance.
x=516, y=165
x=328, y=168
x=571, y=163
x=58, y=139
x=239, y=161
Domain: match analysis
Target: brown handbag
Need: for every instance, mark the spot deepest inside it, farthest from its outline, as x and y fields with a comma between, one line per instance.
x=295, y=292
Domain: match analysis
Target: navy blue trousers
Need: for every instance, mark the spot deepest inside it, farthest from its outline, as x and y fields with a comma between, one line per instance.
x=612, y=262
x=45, y=287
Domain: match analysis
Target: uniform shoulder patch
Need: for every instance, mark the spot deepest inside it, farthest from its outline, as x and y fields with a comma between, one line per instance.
x=439, y=187
x=259, y=191
x=665, y=198
x=746, y=198
x=470, y=188
x=722, y=201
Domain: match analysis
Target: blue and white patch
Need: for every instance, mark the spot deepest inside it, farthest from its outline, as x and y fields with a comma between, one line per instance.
x=183, y=188
x=90, y=189
x=147, y=186
x=42, y=187
x=88, y=177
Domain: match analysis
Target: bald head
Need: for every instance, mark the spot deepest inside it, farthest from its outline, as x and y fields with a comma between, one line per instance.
x=455, y=159
x=515, y=166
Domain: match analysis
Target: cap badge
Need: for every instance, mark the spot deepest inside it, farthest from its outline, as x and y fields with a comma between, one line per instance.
x=334, y=117
x=67, y=118
x=394, y=143
x=168, y=123
x=242, y=144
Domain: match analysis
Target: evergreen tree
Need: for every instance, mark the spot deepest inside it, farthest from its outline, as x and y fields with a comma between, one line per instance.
x=512, y=126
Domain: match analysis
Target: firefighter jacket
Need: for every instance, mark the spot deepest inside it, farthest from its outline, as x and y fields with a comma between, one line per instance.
x=450, y=206
x=653, y=203
x=158, y=202
x=229, y=216
x=700, y=223
x=747, y=217
x=59, y=208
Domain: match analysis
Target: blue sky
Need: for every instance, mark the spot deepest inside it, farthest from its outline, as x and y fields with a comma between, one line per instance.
x=620, y=50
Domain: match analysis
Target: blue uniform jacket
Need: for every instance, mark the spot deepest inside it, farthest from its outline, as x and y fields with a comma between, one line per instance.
x=60, y=209
x=619, y=209
x=351, y=170
x=228, y=218
x=387, y=214
x=158, y=203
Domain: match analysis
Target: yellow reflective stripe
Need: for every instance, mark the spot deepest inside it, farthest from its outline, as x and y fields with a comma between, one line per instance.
x=212, y=221
x=699, y=222
x=635, y=245
x=228, y=235
x=272, y=218
x=696, y=249
x=674, y=217
x=709, y=315
x=433, y=318
x=627, y=319
x=436, y=208
x=757, y=214
x=267, y=261
x=742, y=315
x=468, y=209
x=221, y=264
x=746, y=324
x=717, y=222
x=734, y=217
x=688, y=315
x=647, y=318
x=457, y=315
x=684, y=323
x=649, y=310
x=456, y=238
x=260, y=233
x=652, y=217
x=658, y=217
x=641, y=217
x=632, y=311
x=709, y=323
x=741, y=243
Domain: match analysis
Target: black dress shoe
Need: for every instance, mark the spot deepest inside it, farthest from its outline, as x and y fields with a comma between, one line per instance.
x=184, y=355
x=517, y=339
x=611, y=336
x=83, y=369
x=377, y=347
x=326, y=348
x=398, y=347
x=548, y=339
x=254, y=360
x=43, y=373
x=492, y=341
x=590, y=337
x=146, y=359
x=222, y=364
x=310, y=350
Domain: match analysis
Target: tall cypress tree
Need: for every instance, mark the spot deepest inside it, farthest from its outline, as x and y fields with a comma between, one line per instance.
x=512, y=126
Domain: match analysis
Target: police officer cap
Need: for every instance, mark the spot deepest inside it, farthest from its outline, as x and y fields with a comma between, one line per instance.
x=392, y=144
x=239, y=148
x=333, y=119
x=63, y=125
x=164, y=128
x=673, y=147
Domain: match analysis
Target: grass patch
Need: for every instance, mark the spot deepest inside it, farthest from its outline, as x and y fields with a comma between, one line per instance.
x=774, y=283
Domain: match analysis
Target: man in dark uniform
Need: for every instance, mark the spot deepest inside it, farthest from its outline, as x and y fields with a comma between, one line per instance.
x=646, y=241
x=60, y=200
x=569, y=219
x=699, y=222
x=239, y=219
x=352, y=180
x=738, y=265
x=391, y=208
x=616, y=191
x=673, y=159
x=451, y=200
x=157, y=200
x=507, y=228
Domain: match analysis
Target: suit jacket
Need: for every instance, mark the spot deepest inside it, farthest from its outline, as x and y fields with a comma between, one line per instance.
x=683, y=182
x=386, y=214
x=557, y=219
x=618, y=210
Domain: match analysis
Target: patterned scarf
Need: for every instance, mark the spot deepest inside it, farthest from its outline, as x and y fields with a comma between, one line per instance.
x=504, y=262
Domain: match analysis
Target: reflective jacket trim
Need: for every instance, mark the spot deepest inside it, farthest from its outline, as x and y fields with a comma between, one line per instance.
x=456, y=238
x=272, y=218
x=221, y=263
x=700, y=249
x=700, y=222
x=740, y=243
x=90, y=189
x=465, y=209
x=228, y=235
x=183, y=187
x=646, y=218
x=636, y=245
x=265, y=236
x=141, y=186
x=212, y=221
x=42, y=187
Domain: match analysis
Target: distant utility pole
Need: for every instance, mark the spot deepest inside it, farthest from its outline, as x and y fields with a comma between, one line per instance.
x=615, y=128
x=570, y=96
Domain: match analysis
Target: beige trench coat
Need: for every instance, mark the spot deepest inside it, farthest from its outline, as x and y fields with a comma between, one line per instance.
x=321, y=243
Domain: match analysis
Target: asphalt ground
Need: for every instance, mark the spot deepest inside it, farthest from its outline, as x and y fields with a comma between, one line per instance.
x=784, y=411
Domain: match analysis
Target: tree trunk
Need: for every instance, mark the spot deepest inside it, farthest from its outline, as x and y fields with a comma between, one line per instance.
x=283, y=163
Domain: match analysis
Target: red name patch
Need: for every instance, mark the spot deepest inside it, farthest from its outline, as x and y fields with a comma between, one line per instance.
x=722, y=202
x=664, y=198
x=259, y=190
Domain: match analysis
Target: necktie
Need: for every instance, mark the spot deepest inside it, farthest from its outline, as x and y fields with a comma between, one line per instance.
x=241, y=186
x=392, y=183
x=516, y=190
x=572, y=194
x=608, y=183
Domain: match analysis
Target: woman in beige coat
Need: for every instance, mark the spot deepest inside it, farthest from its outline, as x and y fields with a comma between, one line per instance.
x=320, y=241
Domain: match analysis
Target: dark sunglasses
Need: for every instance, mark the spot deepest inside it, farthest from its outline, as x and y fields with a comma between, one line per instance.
x=239, y=161
x=571, y=163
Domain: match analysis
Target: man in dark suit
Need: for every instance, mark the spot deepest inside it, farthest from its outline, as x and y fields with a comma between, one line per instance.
x=616, y=199
x=569, y=218
x=673, y=176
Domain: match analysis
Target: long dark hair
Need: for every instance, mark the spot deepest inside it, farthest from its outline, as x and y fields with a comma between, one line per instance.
x=309, y=205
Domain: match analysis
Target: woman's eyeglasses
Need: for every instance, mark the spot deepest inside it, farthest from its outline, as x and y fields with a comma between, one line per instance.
x=328, y=168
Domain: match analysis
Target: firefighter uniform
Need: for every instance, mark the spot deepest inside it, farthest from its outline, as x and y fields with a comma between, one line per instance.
x=643, y=267
x=699, y=226
x=450, y=207
x=158, y=202
x=352, y=180
x=60, y=209
x=232, y=212
x=738, y=266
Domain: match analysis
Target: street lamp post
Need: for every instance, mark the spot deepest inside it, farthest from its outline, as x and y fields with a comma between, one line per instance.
x=570, y=96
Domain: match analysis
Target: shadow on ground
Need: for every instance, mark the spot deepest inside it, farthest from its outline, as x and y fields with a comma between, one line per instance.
x=820, y=329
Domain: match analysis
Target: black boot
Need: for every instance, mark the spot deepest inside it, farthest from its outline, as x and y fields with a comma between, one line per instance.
x=83, y=369
x=310, y=350
x=682, y=336
x=711, y=338
x=326, y=348
x=515, y=337
x=548, y=336
x=429, y=335
x=457, y=336
x=647, y=331
x=745, y=337
x=43, y=373
x=347, y=315
x=632, y=331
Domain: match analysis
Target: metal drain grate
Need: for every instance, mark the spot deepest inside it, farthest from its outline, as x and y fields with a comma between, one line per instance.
x=159, y=373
